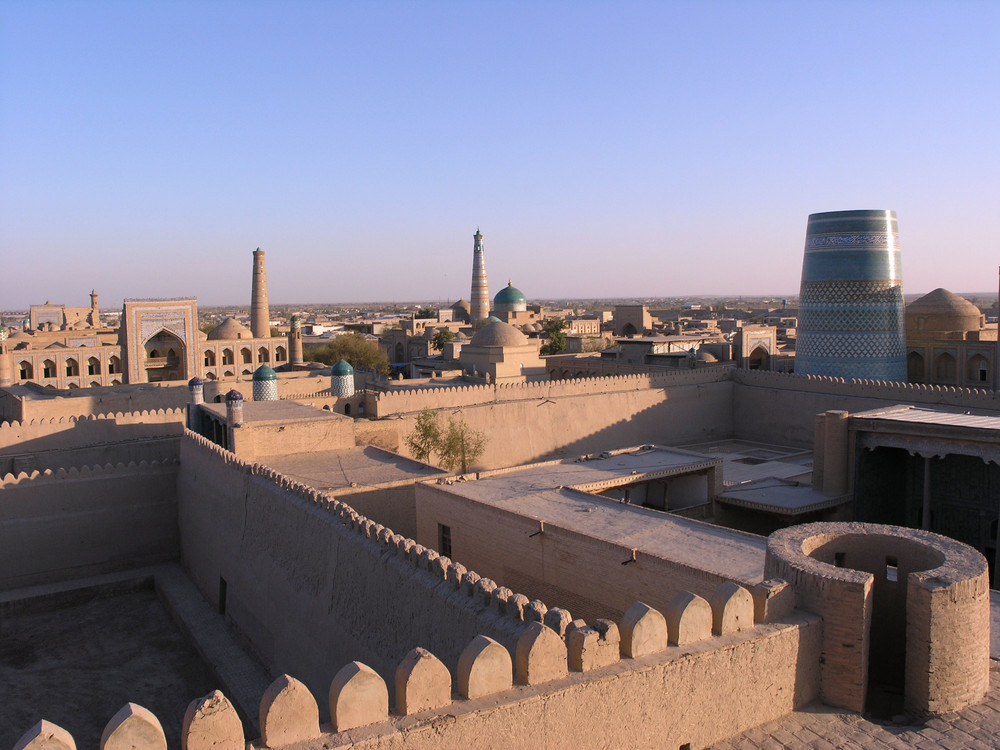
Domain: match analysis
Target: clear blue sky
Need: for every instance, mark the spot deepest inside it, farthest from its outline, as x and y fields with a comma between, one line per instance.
x=607, y=149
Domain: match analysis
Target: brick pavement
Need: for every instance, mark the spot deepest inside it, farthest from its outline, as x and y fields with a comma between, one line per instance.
x=823, y=728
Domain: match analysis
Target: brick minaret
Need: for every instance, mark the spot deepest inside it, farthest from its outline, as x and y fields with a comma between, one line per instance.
x=295, y=341
x=260, y=317
x=480, y=291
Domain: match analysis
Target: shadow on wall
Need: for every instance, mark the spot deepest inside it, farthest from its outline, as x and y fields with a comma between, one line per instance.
x=85, y=442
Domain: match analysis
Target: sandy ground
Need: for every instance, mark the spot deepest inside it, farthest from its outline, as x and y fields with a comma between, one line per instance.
x=85, y=662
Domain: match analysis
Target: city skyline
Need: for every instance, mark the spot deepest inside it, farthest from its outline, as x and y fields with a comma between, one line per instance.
x=643, y=150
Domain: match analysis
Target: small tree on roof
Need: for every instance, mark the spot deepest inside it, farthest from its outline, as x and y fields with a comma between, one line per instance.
x=457, y=446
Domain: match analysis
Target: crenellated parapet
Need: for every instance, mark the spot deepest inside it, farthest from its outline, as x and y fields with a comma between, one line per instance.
x=434, y=706
x=91, y=427
x=860, y=387
x=75, y=473
x=416, y=399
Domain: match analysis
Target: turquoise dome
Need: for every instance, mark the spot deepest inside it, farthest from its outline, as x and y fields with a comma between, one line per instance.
x=342, y=368
x=265, y=373
x=510, y=299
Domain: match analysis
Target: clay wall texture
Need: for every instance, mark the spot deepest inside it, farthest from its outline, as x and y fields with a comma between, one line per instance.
x=930, y=612
x=565, y=418
x=150, y=397
x=697, y=700
x=81, y=522
x=773, y=406
x=281, y=549
x=561, y=567
x=252, y=441
x=107, y=438
x=626, y=688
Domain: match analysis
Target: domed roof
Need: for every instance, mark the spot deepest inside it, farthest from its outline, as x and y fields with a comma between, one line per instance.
x=228, y=330
x=942, y=310
x=462, y=305
x=195, y=381
x=264, y=373
x=508, y=296
x=234, y=395
x=704, y=356
x=461, y=336
x=492, y=319
x=498, y=333
x=343, y=367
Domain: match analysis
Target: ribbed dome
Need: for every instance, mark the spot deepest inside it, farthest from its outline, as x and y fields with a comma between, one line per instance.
x=462, y=305
x=942, y=310
x=498, y=334
x=343, y=367
x=264, y=373
x=228, y=330
x=510, y=299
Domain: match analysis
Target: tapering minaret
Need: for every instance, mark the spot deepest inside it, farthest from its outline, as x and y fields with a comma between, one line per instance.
x=260, y=317
x=480, y=308
x=95, y=312
x=6, y=366
x=295, y=341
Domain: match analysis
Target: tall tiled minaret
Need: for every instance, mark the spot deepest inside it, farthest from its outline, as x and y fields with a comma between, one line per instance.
x=480, y=291
x=260, y=317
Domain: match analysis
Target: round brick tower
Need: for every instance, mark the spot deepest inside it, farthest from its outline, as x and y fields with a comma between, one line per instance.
x=480, y=308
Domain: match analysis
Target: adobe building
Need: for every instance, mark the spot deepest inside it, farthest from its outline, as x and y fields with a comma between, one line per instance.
x=632, y=320
x=500, y=353
x=158, y=341
x=949, y=343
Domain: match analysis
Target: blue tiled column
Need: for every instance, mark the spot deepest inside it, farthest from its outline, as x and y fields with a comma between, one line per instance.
x=851, y=311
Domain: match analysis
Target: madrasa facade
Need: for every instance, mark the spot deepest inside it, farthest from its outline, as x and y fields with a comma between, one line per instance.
x=157, y=340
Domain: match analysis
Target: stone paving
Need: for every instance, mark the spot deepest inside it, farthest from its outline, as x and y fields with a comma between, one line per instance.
x=824, y=728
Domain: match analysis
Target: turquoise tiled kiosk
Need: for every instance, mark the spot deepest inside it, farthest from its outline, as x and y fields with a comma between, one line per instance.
x=851, y=311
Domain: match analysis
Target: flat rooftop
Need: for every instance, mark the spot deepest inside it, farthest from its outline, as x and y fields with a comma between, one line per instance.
x=558, y=493
x=747, y=461
x=349, y=468
x=923, y=415
x=276, y=412
x=780, y=496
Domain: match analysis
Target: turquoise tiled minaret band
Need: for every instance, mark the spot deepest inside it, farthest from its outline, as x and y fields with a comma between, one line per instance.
x=851, y=311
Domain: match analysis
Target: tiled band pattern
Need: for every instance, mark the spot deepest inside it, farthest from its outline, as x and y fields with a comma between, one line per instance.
x=851, y=310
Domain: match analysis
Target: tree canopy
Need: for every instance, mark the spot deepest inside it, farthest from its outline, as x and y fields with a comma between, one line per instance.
x=457, y=446
x=425, y=312
x=442, y=337
x=554, y=328
x=358, y=351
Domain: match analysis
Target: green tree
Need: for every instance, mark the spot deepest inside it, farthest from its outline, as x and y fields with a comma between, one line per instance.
x=426, y=436
x=554, y=327
x=461, y=446
x=457, y=446
x=425, y=312
x=361, y=353
x=442, y=337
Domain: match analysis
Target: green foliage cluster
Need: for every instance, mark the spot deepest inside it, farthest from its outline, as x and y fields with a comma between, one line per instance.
x=425, y=312
x=554, y=328
x=457, y=446
x=442, y=337
x=358, y=351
